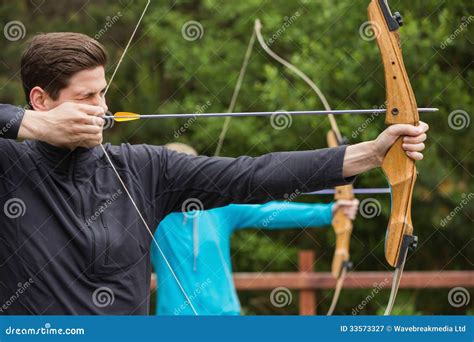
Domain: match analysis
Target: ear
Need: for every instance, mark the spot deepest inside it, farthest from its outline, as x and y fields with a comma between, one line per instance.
x=40, y=100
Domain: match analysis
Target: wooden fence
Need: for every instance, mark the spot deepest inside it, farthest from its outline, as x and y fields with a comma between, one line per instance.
x=306, y=281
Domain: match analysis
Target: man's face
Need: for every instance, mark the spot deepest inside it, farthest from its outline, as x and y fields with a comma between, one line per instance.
x=86, y=86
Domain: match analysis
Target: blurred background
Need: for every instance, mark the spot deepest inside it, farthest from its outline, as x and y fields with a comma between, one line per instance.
x=186, y=58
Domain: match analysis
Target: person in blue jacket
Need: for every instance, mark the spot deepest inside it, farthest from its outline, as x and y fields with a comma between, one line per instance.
x=197, y=246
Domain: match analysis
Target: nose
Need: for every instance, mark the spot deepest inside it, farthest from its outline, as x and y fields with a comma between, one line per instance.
x=102, y=103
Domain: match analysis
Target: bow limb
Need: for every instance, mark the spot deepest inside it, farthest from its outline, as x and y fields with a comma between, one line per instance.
x=398, y=168
x=301, y=74
x=342, y=225
x=121, y=181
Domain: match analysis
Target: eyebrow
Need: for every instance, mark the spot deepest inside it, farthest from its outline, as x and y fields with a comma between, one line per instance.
x=89, y=93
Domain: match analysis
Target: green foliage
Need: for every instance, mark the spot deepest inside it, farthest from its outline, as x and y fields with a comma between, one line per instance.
x=165, y=73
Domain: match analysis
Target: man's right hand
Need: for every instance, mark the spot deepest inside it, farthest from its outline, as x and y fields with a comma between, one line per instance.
x=68, y=125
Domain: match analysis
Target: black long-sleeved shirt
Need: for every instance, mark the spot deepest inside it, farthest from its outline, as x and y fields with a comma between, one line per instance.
x=71, y=241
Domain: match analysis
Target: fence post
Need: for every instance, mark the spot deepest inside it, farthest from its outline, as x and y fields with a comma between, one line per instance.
x=307, y=298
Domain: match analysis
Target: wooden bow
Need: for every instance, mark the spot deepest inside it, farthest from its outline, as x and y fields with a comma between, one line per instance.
x=399, y=169
x=342, y=226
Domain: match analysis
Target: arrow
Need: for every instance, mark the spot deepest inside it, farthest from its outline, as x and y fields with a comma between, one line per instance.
x=360, y=191
x=129, y=116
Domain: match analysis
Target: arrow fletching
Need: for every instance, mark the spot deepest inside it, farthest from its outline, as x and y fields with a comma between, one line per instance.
x=126, y=116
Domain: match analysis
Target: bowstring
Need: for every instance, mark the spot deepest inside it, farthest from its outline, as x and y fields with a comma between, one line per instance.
x=120, y=178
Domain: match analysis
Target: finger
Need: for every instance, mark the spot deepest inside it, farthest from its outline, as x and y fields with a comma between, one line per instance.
x=415, y=140
x=90, y=140
x=350, y=215
x=90, y=110
x=424, y=126
x=90, y=120
x=344, y=203
x=410, y=130
x=413, y=147
x=85, y=129
x=415, y=155
x=96, y=121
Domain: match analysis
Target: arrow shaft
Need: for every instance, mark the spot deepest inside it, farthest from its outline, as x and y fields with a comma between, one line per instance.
x=360, y=191
x=276, y=113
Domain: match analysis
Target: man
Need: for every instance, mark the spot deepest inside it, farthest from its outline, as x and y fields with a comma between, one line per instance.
x=197, y=245
x=70, y=230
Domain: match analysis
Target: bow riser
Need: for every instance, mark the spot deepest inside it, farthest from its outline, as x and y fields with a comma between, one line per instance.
x=401, y=109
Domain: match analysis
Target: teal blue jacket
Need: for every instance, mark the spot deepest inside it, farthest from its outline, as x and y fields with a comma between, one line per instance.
x=197, y=245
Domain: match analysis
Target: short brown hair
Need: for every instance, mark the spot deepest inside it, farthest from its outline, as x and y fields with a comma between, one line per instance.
x=51, y=59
